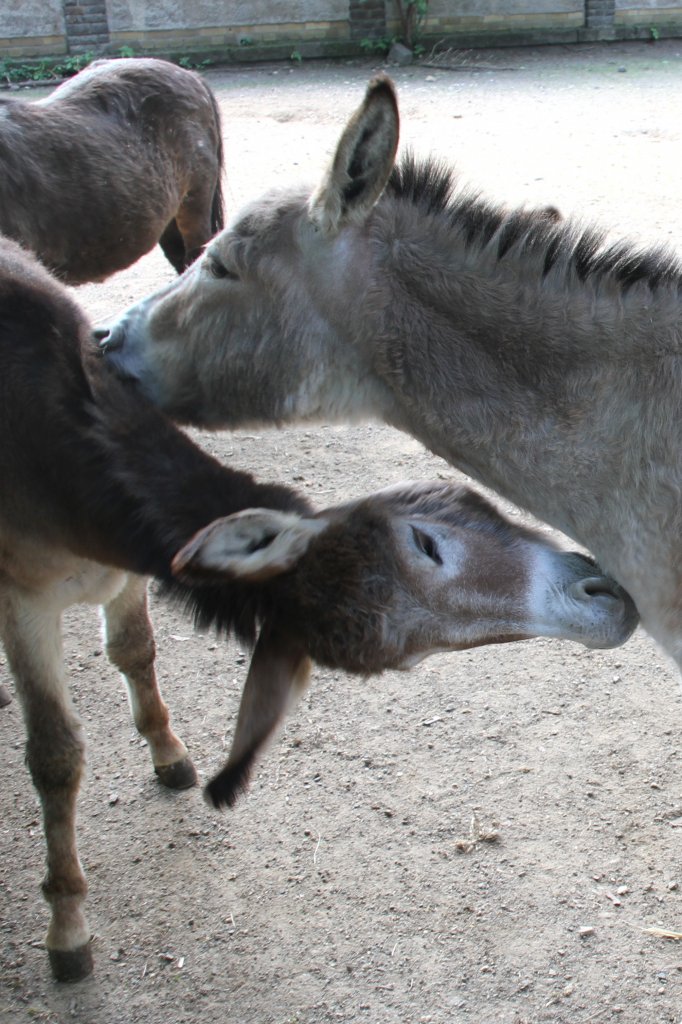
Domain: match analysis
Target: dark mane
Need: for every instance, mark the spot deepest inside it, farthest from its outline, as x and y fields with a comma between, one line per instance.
x=563, y=245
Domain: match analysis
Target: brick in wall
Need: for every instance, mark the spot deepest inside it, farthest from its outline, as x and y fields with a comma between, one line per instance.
x=367, y=19
x=599, y=13
x=87, y=25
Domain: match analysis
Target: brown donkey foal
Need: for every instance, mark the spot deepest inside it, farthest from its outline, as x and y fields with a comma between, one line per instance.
x=100, y=489
x=126, y=154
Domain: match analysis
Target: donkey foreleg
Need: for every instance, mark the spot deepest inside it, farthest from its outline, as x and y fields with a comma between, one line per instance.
x=55, y=757
x=130, y=647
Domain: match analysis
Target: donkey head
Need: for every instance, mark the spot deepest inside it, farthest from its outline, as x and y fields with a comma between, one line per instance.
x=259, y=299
x=277, y=321
x=384, y=582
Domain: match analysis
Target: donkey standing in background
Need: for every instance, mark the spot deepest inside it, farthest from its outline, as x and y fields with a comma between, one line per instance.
x=126, y=154
x=98, y=487
x=531, y=354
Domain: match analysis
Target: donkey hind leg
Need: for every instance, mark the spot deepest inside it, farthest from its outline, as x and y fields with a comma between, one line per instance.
x=185, y=236
x=173, y=247
x=130, y=647
x=55, y=757
x=193, y=219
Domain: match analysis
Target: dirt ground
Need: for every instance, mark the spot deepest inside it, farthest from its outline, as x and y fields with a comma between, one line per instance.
x=488, y=838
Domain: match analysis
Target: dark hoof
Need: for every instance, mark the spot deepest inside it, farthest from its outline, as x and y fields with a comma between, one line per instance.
x=71, y=964
x=181, y=775
x=5, y=697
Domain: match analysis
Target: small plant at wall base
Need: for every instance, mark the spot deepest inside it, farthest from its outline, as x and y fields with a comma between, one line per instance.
x=192, y=65
x=13, y=73
x=381, y=45
x=43, y=70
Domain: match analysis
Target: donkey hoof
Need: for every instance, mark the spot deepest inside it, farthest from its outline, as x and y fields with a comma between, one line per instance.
x=181, y=775
x=5, y=697
x=71, y=964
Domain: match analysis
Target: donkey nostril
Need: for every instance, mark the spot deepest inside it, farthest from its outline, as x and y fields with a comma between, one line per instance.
x=100, y=335
x=596, y=587
x=107, y=339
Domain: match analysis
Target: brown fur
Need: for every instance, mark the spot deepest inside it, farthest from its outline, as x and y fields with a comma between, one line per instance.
x=126, y=154
x=97, y=486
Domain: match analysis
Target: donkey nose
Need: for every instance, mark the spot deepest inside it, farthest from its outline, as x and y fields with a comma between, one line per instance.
x=108, y=339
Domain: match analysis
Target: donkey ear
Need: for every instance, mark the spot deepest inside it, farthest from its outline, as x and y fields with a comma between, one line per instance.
x=253, y=545
x=279, y=672
x=362, y=163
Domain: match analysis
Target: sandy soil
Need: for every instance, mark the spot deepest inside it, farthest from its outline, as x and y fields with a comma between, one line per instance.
x=488, y=838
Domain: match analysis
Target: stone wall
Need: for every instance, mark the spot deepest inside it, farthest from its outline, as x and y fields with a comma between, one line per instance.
x=32, y=28
x=647, y=12
x=480, y=16
x=227, y=24
x=247, y=30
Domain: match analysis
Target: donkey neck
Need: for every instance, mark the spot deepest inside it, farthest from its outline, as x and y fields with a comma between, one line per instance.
x=529, y=384
x=118, y=483
x=163, y=488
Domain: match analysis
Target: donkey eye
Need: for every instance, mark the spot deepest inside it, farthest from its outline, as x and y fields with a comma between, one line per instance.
x=427, y=545
x=218, y=269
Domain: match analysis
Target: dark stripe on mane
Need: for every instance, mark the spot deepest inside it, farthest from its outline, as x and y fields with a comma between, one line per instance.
x=562, y=245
